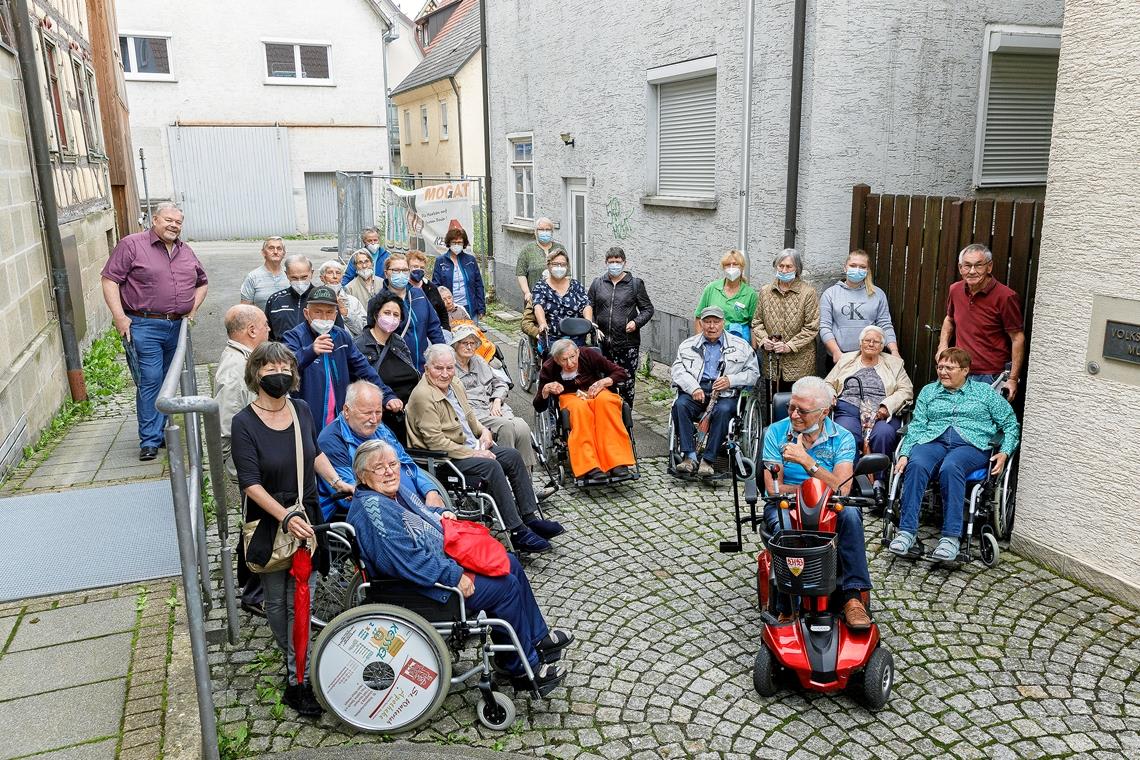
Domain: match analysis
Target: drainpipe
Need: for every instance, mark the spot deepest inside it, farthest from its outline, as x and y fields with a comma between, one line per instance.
x=746, y=140
x=37, y=128
x=486, y=151
x=459, y=124
x=387, y=102
x=792, y=198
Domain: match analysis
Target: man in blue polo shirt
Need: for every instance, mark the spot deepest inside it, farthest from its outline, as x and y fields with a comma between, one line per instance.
x=809, y=444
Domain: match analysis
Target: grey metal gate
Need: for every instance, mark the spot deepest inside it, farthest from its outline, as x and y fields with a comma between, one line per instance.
x=232, y=181
x=320, y=200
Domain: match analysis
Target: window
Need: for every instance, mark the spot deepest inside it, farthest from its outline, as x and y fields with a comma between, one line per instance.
x=287, y=62
x=55, y=95
x=7, y=40
x=88, y=115
x=424, y=134
x=443, y=120
x=407, y=127
x=522, y=169
x=683, y=128
x=145, y=56
x=1015, y=106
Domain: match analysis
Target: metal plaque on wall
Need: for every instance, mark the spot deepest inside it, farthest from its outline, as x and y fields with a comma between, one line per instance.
x=1122, y=341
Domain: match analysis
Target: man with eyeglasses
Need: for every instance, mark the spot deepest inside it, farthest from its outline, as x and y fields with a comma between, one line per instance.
x=807, y=443
x=983, y=316
x=359, y=421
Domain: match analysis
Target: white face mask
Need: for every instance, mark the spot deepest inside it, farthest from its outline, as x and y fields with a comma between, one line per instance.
x=323, y=326
x=558, y=272
x=335, y=287
x=299, y=286
x=365, y=274
x=456, y=248
x=732, y=273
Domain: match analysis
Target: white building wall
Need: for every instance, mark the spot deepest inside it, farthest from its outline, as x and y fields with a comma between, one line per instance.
x=1078, y=482
x=890, y=97
x=219, y=74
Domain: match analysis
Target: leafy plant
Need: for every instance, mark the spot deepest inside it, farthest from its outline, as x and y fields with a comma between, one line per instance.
x=233, y=746
x=141, y=596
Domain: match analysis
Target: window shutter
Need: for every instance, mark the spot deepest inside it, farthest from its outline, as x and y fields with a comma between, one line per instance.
x=686, y=137
x=1019, y=119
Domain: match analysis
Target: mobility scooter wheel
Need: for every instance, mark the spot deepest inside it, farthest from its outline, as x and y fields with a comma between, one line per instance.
x=764, y=672
x=990, y=552
x=873, y=685
x=497, y=714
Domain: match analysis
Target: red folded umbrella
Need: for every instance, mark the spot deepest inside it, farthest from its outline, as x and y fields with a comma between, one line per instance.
x=301, y=570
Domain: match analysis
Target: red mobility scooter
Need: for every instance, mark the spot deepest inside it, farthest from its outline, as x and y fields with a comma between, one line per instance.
x=796, y=576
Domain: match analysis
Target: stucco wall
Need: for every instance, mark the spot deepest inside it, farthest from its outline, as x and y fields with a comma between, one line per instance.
x=1079, y=482
x=431, y=157
x=890, y=97
x=228, y=84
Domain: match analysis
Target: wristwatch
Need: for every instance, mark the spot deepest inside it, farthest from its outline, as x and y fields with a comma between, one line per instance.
x=813, y=469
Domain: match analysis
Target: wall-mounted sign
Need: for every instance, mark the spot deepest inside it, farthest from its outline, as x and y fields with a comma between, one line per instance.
x=1122, y=341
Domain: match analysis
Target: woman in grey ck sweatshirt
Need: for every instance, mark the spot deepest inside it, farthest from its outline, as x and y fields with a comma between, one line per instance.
x=850, y=305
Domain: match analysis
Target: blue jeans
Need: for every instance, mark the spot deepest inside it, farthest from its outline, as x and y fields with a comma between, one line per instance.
x=510, y=597
x=851, y=549
x=987, y=379
x=686, y=411
x=958, y=458
x=148, y=356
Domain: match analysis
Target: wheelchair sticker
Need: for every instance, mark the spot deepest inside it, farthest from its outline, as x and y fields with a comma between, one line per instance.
x=796, y=565
x=379, y=674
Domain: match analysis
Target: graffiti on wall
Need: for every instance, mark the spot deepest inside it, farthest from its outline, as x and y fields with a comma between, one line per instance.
x=618, y=219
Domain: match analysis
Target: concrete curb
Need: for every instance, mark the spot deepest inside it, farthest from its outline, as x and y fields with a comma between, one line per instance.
x=397, y=751
x=183, y=737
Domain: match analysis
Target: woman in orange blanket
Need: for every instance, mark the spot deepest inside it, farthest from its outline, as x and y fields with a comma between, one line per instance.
x=581, y=379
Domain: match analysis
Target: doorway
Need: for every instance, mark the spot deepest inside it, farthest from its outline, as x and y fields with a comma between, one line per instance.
x=577, y=224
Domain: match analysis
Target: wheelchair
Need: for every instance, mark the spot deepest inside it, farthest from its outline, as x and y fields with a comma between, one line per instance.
x=745, y=430
x=384, y=665
x=989, y=509
x=553, y=436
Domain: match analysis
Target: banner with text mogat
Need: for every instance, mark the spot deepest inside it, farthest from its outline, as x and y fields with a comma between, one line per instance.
x=418, y=219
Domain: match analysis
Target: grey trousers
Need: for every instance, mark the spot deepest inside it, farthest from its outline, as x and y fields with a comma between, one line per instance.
x=279, y=614
x=512, y=432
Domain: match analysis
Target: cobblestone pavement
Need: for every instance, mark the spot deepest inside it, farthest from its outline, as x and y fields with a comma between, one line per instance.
x=1012, y=661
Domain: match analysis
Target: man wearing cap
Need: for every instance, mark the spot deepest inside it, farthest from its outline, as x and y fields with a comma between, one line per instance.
x=151, y=282
x=487, y=394
x=713, y=362
x=328, y=360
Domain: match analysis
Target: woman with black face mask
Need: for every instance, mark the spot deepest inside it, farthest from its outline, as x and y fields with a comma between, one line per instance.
x=264, y=439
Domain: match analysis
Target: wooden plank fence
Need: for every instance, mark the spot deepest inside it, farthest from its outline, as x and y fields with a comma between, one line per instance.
x=913, y=242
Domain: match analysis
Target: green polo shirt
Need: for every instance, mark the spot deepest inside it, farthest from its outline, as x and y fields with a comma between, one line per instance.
x=738, y=309
x=532, y=260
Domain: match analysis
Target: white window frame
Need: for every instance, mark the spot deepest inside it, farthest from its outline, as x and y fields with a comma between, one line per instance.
x=297, y=81
x=407, y=126
x=694, y=68
x=1006, y=38
x=443, y=134
x=133, y=74
x=513, y=139
x=425, y=124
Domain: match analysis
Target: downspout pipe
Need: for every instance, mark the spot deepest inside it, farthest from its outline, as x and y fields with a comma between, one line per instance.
x=37, y=127
x=486, y=169
x=459, y=123
x=746, y=140
x=795, y=109
x=387, y=99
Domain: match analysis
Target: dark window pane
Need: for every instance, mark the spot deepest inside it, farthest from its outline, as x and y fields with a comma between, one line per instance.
x=151, y=56
x=125, y=53
x=314, y=62
x=279, y=59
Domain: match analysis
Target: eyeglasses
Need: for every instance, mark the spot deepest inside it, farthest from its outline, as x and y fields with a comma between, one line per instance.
x=966, y=266
x=948, y=367
x=801, y=411
x=870, y=342
x=385, y=467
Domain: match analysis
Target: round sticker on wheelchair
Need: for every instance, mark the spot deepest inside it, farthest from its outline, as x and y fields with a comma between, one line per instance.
x=380, y=672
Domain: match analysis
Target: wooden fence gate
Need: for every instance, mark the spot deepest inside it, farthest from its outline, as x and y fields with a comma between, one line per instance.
x=913, y=242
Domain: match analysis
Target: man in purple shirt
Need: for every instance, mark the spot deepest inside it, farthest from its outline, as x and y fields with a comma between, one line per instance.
x=151, y=283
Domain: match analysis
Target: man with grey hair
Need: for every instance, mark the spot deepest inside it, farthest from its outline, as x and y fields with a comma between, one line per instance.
x=983, y=316
x=268, y=278
x=285, y=308
x=246, y=329
x=808, y=444
x=151, y=282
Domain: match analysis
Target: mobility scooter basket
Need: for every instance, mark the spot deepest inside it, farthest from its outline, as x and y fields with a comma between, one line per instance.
x=804, y=562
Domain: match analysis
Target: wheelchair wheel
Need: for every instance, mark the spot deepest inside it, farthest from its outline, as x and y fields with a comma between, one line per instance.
x=988, y=548
x=1005, y=505
x=329, y=598
x=380, y=668
x=498, y=713
x=753, y=429
x=674, y=448
x=527, y=374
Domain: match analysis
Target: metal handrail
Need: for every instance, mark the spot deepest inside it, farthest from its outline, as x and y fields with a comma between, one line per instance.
x=178, y=395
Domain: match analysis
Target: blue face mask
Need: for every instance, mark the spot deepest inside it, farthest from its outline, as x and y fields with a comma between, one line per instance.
x=786, y=276
x=398, y=280
x=545, y=237
x=615, y=269
x=856, y=275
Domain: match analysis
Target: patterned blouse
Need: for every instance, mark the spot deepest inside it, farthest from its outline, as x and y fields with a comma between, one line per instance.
x=976, y=412
x=794, y=316
x=558, y=308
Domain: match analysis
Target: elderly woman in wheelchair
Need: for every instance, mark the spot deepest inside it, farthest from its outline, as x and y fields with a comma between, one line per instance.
x=579, y=381
x=401, y=537
x=959, y=430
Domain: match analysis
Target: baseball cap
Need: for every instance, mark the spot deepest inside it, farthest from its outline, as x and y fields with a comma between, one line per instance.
x=708, y=311
x=323, y=294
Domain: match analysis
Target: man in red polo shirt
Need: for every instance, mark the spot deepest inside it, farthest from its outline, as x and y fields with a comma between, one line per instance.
x=984, y=317
x=151, y=282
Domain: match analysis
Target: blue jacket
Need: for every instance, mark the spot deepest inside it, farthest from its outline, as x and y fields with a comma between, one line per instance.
x=444, y=272
x=378, y=260
x=339, y=444
x=345, y=364
x=425, y=328
x=403, y=539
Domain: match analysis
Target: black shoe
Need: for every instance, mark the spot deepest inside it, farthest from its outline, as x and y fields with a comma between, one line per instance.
x=309, y=699
x=550, y=648
x=526, y=541
x=296, y=697
x=545, y=528
x=546, y=679
x=147, y=453
x=620, y=471
x=254, y=608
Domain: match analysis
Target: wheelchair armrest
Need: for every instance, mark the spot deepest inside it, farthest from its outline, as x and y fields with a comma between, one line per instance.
x=425, y=453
